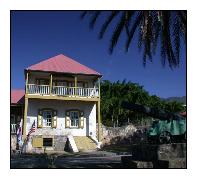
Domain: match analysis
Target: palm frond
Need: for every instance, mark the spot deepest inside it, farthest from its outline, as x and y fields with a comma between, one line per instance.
x=94, y=19
x=183, y=24
x=83, y=14
x=183, y=17
x=128, y=17
x=176, y=35
x=133, y=29
x=166, y=40
x=148, y=38
x=156, y=28
x=169, y=26
x=117, y=32
x=107, y=23
x=140, y=40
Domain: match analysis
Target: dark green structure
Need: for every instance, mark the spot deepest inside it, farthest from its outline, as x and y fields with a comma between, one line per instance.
x=169, y=126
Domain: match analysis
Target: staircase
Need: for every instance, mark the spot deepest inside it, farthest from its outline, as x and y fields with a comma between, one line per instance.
x=85, y=143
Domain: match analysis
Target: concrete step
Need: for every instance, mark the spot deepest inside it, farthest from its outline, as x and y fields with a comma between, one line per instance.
x=85, y=143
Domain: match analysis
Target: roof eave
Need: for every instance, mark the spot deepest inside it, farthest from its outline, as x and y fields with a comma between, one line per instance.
x=29, y=70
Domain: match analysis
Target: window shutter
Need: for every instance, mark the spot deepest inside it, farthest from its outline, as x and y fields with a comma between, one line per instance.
x=81, y=119
x=67, y=120
x=40, y=121
x=54, y=119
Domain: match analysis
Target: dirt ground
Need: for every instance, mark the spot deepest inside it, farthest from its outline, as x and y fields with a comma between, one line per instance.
x=99, y=159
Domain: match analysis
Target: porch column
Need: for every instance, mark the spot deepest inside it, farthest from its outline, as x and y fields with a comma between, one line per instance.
x=26, y=82
x=51, y=83
x=99, y=120
x=75, y=85
x=25, y=118
x=99, y=83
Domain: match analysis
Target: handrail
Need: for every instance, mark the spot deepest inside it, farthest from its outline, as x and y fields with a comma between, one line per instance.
x=38, y=85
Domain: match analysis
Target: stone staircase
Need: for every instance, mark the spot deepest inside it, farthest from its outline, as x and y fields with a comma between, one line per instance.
x=85, y=143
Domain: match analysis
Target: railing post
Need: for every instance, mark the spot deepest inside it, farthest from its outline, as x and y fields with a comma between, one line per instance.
x=26, y=82
x=51, y=82
x=75, y=85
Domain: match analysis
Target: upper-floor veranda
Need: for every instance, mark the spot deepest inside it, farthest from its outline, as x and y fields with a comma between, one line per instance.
x=62, y=86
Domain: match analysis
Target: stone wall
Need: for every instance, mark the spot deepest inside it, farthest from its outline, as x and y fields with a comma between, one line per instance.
x=111, y=135
x=128, y=134
x=60, y=143
x=156, y=156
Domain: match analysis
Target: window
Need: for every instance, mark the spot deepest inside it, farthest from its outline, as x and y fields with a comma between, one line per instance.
x=47, y=118
x=47, y=142
x=42, y=81
x=74, y=118
x=80, y=84
x=62, y=83
x=71, y=84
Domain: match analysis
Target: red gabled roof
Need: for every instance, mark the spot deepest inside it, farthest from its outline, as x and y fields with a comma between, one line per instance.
x=17, y=96
x=62, y=64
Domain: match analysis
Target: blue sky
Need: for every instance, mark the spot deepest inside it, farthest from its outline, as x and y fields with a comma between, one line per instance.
x=38, y=35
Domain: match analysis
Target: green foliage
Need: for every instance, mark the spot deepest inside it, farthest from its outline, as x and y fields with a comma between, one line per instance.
x=112, y=95
x=174, y=106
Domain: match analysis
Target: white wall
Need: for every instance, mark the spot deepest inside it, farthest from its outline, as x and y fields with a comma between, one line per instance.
x=89, y=109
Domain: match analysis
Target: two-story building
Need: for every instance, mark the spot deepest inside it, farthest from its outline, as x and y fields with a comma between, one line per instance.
x=62, y=96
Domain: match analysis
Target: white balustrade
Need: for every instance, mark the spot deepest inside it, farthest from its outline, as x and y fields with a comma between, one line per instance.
x=72, y=91
x=13, y=128
x=62, y=90
x=38, y=89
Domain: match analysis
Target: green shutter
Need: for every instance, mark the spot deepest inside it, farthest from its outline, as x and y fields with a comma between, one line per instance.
x=67, y=119
x=40, y=119
x=54, y=119
x=81, y=119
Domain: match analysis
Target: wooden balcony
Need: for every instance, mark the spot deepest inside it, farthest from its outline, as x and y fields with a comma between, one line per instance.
x=72, y=91
x=62, y=91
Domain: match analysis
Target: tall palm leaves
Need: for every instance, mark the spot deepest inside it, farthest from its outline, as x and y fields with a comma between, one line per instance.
x=153, y=27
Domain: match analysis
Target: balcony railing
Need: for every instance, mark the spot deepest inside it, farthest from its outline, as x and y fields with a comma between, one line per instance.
x=13, y=128
x=62, y=90
x=38, y=89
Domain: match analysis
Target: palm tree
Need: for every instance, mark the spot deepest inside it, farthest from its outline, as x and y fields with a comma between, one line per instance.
x=153, y=27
